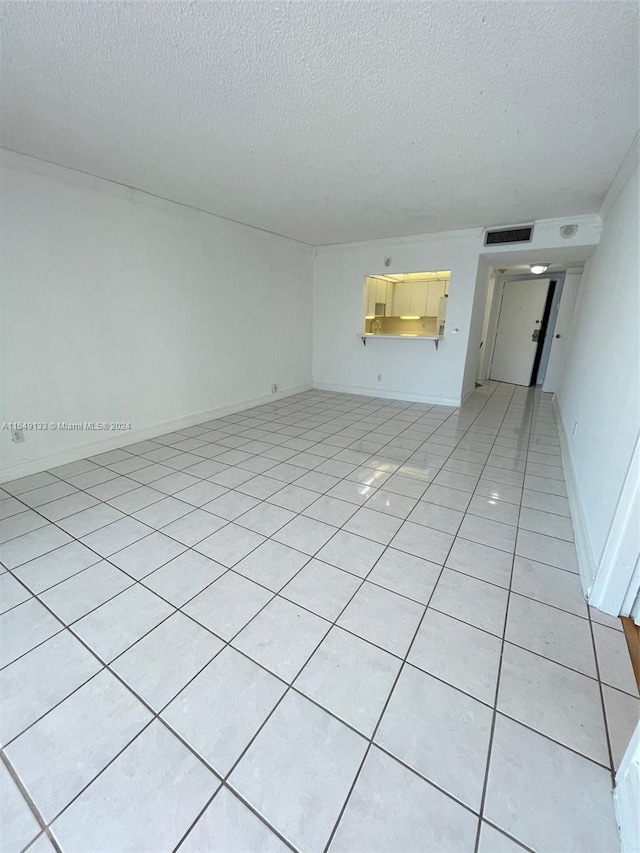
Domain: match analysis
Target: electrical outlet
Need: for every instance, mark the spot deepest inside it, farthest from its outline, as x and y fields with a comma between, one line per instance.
x=274, y=388
x=17, y=436
x=575, y=428
x=379, y=377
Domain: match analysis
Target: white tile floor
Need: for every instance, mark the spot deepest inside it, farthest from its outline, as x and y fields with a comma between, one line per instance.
x=332, y=622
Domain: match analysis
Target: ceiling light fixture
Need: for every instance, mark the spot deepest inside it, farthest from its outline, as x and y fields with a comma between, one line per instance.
x=538, y=269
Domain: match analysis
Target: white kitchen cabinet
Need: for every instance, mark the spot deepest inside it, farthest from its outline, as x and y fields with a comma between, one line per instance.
x=401, y=298
x=442, y=315
x=371, y=297
x=378, y=293
x=436, y=292
x=419, y=291
x=381, y=291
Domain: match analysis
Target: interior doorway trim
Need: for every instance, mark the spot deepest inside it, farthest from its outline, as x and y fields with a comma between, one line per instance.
x=616, y=585
x=546, y=332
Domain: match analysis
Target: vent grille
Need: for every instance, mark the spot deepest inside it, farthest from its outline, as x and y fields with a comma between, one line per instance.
x=508, y=235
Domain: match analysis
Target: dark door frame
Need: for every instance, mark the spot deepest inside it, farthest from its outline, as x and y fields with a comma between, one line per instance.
x=543, y=331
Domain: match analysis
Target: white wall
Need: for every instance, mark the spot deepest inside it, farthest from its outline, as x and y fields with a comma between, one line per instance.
x=412, y=369
x=600, y=388
x=120, y=306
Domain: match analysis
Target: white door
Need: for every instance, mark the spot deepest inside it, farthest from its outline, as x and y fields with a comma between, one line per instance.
x=521, y=313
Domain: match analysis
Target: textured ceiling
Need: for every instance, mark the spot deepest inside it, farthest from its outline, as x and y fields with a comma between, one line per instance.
x=336, y=121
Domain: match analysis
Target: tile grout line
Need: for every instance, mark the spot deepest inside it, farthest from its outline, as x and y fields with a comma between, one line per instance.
x=170, y=495
x=535, y=411
x=385, y=706
x=153, y=530
x=204, y=458
x=500, y=660
x=144, y=703
x=605, y=716
x=137, y=580
x=392, y=438
x=103, y=558
x=177, y=471
x=44, y=829
x=227, y=521
x=291, y=687
x=154, y=714
x=107, y=558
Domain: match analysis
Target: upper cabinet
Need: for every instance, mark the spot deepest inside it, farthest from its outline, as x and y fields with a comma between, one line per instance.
x=370, y=305
x=416, y=298
x=401, y=303
x=410, y=304
x=419, y=292
x=379, y=296
x=382, y=290
x=436, y=292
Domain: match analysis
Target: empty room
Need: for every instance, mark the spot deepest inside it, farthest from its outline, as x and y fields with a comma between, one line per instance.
x=320, y=412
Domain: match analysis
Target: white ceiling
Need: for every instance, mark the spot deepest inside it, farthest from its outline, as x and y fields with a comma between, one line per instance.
x=332, y=121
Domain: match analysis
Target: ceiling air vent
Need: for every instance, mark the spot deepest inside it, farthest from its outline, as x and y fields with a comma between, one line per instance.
x=500, y=236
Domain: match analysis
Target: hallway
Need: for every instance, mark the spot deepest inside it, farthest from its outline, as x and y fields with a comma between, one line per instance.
x=331, y=622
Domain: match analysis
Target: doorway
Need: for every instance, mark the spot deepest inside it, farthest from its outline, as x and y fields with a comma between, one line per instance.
x=523, y=319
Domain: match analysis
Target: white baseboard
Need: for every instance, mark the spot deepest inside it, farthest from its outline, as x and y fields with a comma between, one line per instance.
x=430, y=399
x=123, y=439
x=617, y=583
x=586, y=560
x=626, y=796
x=467, y=394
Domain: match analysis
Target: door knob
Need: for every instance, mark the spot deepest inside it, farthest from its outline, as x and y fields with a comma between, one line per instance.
x=558, y=336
